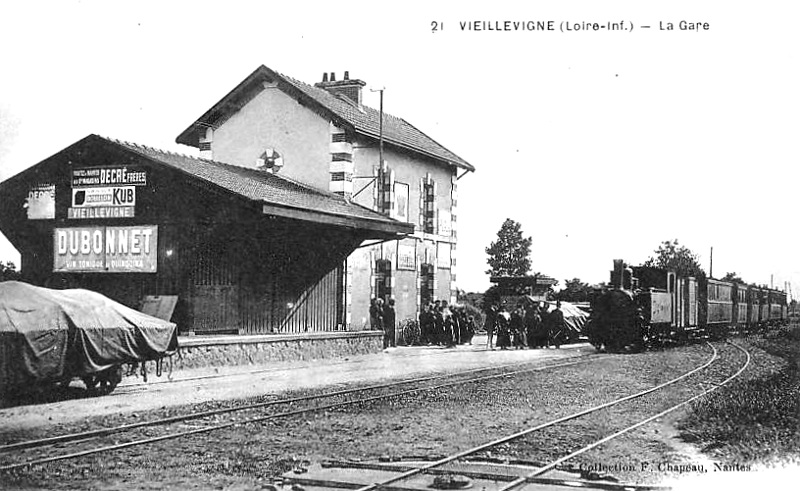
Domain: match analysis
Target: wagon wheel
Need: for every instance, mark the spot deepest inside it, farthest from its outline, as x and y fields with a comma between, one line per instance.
x=90, y=381
x=109, y=379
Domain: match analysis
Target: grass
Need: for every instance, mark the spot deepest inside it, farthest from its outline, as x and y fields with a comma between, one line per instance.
x=757, y=420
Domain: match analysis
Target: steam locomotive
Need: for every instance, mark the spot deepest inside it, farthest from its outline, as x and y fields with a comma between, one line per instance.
x=645, y=307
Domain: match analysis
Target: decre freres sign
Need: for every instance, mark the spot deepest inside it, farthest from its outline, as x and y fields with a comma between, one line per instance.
x=106, y=249
x=109, y=176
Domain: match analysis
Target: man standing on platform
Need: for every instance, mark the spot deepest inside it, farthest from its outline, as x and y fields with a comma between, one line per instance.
x=490, y=324
x=557, y=332
x=389, y=324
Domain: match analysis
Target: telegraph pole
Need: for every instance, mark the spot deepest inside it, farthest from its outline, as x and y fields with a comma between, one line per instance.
x=381, y=183
x=380, y=130
x=711, y=266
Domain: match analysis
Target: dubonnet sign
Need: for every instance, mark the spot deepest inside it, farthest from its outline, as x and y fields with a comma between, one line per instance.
x=106, y=249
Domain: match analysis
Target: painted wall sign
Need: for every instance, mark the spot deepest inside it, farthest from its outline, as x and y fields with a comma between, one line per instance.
x=106, y=249
x=107, y=196
x=103, y=202
x=406, y=257
x=41, y=202
x=101, y=212
x=109, y=176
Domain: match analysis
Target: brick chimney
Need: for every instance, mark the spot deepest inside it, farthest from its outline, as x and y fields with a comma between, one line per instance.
x=350, y=88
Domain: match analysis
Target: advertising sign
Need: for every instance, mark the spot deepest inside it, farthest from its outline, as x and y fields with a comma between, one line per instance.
x=105, y=249
x=406, y=257
x=109, y=176
x=103, y=202
x=104, y=196
x=101, y=212
x=41, y=202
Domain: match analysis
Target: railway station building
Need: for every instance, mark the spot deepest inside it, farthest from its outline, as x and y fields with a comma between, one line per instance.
x=287, y=223
x=324, y=136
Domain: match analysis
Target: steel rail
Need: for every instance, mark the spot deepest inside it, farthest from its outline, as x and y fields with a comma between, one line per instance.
x=296, y=412
x=214, y=412
x=528, y=431
x=552, y=465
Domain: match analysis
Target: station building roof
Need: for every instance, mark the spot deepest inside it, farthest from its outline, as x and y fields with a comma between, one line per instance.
x=277, y=195
x=358, y=118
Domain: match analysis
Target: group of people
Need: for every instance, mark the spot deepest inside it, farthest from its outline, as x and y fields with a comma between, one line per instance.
x=530, y=326
x=525, y=327
x=440, y=324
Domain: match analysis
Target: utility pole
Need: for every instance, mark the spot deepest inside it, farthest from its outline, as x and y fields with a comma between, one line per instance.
x=380, y=130
x=711, y=266
x=381, y=184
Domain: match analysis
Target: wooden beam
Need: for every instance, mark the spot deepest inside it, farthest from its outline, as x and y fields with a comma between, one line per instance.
x=383, y=228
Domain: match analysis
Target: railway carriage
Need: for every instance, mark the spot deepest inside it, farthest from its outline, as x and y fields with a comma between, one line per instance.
x=754, y=308
x=778, y=308
x=716, y=306
x=740, y=302
x=763, y=315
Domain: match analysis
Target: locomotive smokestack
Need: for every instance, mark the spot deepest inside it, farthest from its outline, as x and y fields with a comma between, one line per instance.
x=617, y=273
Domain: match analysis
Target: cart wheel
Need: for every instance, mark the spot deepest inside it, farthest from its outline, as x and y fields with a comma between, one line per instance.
x=109, y=379
x=90, y=381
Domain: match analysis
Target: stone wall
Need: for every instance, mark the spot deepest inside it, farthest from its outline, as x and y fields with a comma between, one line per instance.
x=224, y=351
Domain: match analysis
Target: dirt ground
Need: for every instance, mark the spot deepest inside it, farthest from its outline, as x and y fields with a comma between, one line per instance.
x=424, y=425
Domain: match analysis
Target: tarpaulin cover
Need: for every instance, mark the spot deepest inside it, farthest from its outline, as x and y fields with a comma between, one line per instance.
x=51, y=334
x=574, y=318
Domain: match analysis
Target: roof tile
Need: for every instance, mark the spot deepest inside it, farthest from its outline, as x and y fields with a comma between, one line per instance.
x=258, y=185
x=364, y=119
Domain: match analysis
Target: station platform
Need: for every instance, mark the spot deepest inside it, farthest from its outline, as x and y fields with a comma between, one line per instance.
x=202, y=384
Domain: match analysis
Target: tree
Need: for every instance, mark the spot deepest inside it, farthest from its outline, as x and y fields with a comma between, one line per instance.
x=509, y=255
x=674, y=257
x=8, y=271
x=574, y=291
x=732, y=277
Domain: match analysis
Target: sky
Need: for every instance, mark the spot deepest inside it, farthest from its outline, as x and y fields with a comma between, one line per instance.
x=602, y=144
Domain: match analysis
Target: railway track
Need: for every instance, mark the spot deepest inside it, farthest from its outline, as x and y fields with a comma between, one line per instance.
x=24, y=454
x=444, y=465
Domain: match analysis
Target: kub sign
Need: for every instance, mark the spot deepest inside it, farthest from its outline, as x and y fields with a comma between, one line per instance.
x=103, y=202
